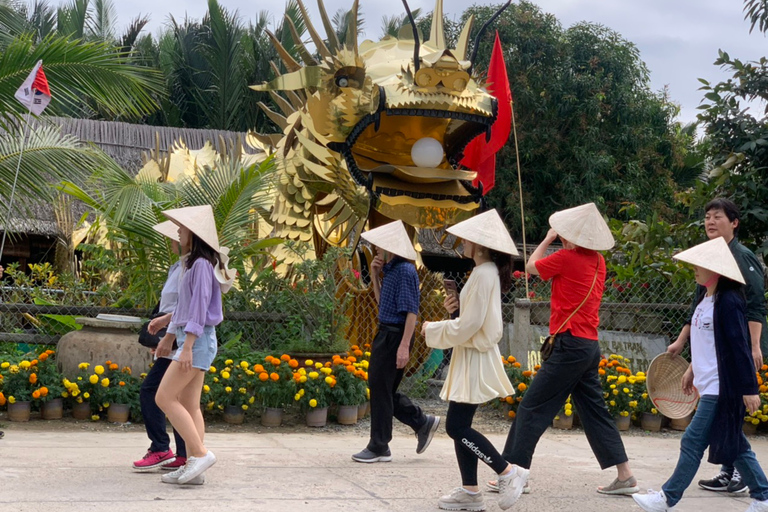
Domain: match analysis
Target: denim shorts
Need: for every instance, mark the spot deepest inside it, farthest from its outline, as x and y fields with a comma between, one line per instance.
x=204, y=349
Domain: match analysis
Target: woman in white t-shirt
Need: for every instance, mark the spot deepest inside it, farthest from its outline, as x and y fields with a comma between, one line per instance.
x=722, y=372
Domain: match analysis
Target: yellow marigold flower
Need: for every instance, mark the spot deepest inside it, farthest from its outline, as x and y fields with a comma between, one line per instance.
x=95, y=417
x=622, y=379
x=640, y=374
x=212, y=369
x=105, y=382
x=224, y=374
x=86, y=395
x=612, y=403
x=615, y=391
x=242, y=391
x=215, y=379
x=105, y=405
x=14, y=368
x=206, y=388
x=228, y=389
x=98, y=369
x=297, y=397
x=313, y=375
x=613, y=386
x=645, y=395
x=229, y=362
x=308, y=362
x=11, y=399
x=83, y=366
x=626, y=390
x=5, y=365
x=251, y=400
x=611, y=378
x=368, y=393
x=328, y=380
x=244, y=365
x=301, y=392
x=302, y=371
x=318, y=365
x=24, y=365
x=632, y=380
x=313, y=403
x=568, y=412
x=326, y=371
x=303, y=379
x=568, y=407
x=64, y=394
x=245, y=407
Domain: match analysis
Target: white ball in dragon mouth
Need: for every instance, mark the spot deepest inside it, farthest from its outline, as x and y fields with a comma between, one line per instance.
x=427, y=152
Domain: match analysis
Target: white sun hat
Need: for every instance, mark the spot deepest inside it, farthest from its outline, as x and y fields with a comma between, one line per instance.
x=168, y=229
x=393, y=238
x=583, y=226
x=486, y=229
x=200, y=221
x=714, y=255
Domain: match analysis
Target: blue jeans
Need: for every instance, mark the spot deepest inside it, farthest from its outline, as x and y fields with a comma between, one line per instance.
x=692, y=446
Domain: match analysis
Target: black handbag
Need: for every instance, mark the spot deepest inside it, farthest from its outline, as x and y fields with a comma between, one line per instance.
x=548, y=345
x=151, y=340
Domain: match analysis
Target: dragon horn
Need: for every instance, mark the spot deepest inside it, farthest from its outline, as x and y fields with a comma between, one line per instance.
x=415, y=36
x=463, y=44
x=437, y=32
x=480, y=34
x=351, y=40
x=319, y=43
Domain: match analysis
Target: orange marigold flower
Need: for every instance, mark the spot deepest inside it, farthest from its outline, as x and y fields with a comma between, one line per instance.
x=2, y=399
x=50, y=352
x=114, y=366
x=527, y=373
x=350, y=368
x=765, y=367
x=36, y=394
x=285, y=357
x=263, y=376
x=108, y=362
x=511, y=414
x=516, y=364
x=126, y=369
x=34, y=362
x=510, y=399
x=33, y=378
x=293, y=363
x=522, y=386
x=274, y=376
x=537, y=367
x=276, y=362
x=511, y=359
x=258, y=368
x=358, y=353
x=43, y=356
x=352, y=359
x=603, y=362
x=121, y=383
x=601, y=371
x=43, y=391
x=518, y=399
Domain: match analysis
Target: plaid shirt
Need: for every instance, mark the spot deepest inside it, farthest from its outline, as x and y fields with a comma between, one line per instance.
x=399, y=292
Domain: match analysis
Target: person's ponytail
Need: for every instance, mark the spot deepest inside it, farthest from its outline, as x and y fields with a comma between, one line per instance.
x=503, y=262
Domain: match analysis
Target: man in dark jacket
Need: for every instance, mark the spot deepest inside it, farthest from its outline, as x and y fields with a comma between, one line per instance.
x=722, y=218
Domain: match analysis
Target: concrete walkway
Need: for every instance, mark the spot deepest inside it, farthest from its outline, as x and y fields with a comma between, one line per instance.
x=57, y=471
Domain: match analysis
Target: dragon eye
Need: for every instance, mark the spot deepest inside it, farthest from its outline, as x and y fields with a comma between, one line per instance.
x=342, y=81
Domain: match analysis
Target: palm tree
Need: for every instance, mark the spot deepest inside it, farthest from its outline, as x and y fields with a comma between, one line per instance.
x=391, y=25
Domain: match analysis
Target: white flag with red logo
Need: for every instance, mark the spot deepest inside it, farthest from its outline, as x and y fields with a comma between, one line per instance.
x=34, y=92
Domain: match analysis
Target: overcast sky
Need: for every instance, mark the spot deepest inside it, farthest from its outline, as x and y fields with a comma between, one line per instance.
x=678, y=39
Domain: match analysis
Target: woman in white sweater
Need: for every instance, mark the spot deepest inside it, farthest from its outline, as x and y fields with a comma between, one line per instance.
x=476, y=373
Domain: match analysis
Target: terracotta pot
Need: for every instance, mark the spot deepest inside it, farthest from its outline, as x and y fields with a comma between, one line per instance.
x=118, y=413
x=650, y=422
x=680, y=423
x=317, y=417
x=347, y=415
x=81, y=411
x=52, y=409
x=749, y=429
x=19, y=411
x=362, y=410
x=234, y=415
x=622, y=422
x=563, y=422
x=272, y=417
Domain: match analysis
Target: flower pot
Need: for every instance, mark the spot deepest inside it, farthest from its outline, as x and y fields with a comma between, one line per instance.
x=19, y=411
x=749, y=428
x=271, y=417
x=234, y=415
x=347, y=415
x=118, y=413
x=651, y=422
x=680, y=423
x=317, y=417
x=622, y=422
x=81, y=411
x=52, y=409
x=362, y=410
x=563, y=422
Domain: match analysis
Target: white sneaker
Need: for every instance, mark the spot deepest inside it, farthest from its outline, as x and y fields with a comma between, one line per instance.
x=196, y=466
x=173, y=478
x=460, y=499
x=511, y=486
x=652, y=501
x=758, y=506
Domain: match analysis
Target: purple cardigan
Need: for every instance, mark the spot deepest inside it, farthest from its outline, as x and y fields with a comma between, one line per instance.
x=199, y=300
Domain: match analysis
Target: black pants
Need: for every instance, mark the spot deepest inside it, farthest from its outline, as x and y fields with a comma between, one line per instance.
x=154, y=417
x=571, y=370
x=470, y=445
x=383, y=380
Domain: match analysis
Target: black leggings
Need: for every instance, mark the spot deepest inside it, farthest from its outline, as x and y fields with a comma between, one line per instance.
x=470, y=444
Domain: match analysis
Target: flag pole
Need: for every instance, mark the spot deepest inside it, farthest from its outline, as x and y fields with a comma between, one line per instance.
x=520, y=190
x=15, y=179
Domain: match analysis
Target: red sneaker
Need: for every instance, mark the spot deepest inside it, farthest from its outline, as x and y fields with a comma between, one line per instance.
x=175, y=464
x=153, y=460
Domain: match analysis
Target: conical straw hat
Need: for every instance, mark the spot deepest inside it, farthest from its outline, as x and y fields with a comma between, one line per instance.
x=393, y=238
x=486, y=229
x=664, y=383
x=168, y=229
x=714, y=255
x=199, y=220
x=583, y=226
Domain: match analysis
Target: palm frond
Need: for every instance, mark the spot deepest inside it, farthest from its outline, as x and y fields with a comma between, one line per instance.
x=72, y=19
x=101, y=24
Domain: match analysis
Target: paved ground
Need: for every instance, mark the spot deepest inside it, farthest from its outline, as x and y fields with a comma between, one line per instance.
x=52, y=469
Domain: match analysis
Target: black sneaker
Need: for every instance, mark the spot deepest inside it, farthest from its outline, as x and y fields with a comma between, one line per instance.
x=426, y=433
x=737, y=484
x=718, y=484
x=368, y=456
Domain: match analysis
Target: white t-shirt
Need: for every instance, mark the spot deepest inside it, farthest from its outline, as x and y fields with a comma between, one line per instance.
x=703, y=353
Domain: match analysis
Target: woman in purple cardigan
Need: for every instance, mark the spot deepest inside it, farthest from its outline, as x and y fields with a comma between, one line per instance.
x=723, y=373
x=204, y=278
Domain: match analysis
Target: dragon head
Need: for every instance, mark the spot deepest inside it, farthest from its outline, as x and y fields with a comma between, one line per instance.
x=394, y=115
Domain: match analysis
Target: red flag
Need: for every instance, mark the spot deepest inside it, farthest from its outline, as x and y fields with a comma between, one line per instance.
x=34, y=93
x=479, y=155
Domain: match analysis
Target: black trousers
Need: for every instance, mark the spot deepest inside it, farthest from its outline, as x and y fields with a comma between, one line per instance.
x=383, y=380
x=154, y=417
x=571, y=370
x=470, y=445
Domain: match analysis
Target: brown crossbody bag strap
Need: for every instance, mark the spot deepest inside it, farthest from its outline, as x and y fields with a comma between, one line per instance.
x=549, y=342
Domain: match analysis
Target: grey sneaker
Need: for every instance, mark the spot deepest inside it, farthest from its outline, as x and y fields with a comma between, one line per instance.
x=368, y=456
x=173, y=478
x=493, y=486
x=196, y=466
x=511, y=486
x=460, y=499
x=426, y=433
